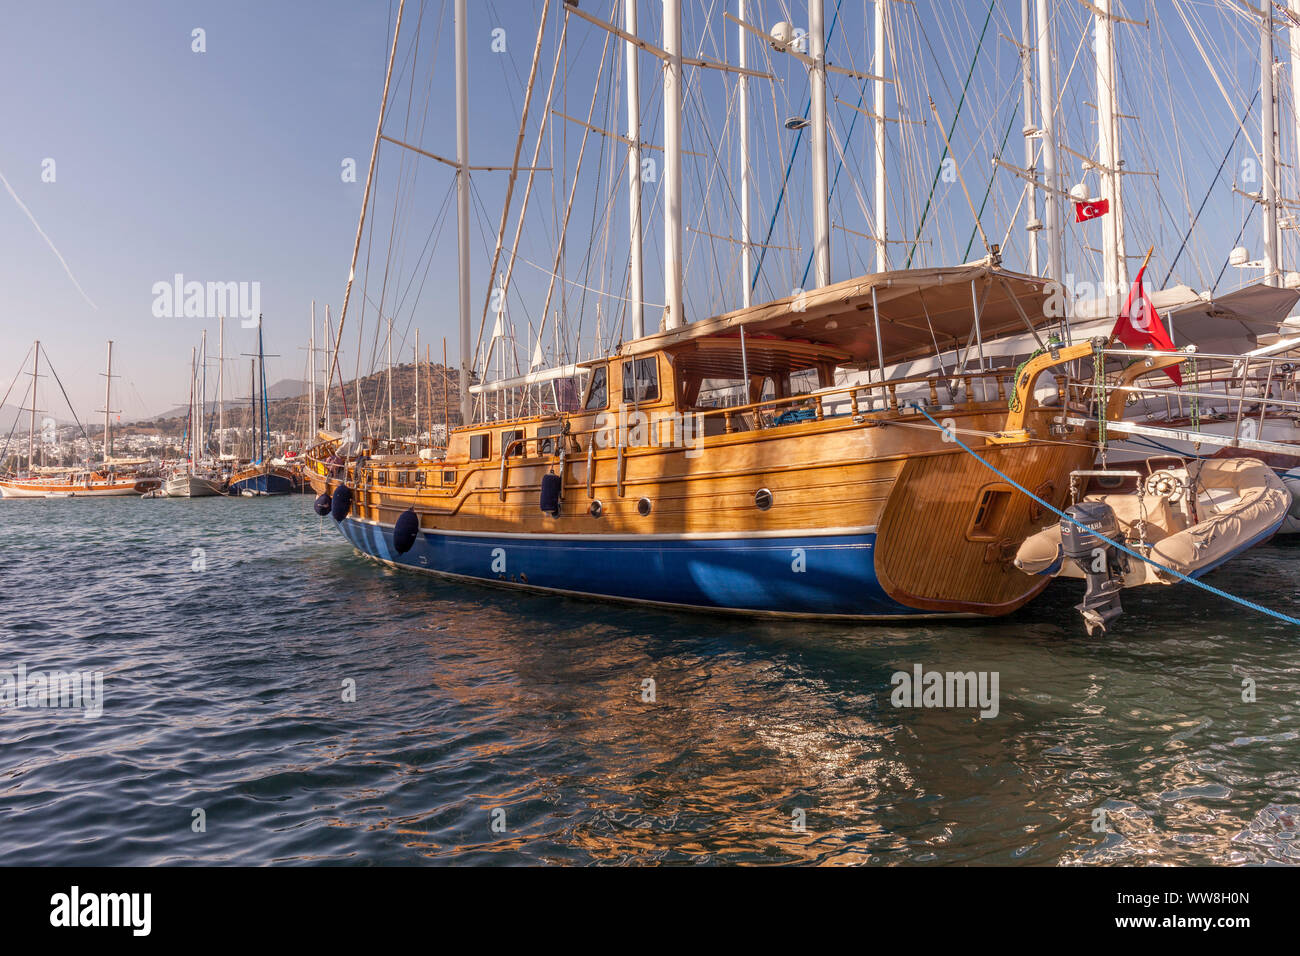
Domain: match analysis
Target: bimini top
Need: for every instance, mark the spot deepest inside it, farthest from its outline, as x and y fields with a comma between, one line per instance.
x=920, y=310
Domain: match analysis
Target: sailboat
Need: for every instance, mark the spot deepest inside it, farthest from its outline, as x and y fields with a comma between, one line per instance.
x=808, y=497
x=107, y=481
x=261, y=476
x=191, y=478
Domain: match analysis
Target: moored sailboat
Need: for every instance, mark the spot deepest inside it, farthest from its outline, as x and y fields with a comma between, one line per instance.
x=773, y=460
x=194, y=477
x=260, y=476
x=107, y=481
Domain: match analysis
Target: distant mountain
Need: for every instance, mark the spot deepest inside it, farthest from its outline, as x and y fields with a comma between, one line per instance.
x=289, y=403
x=7, y=413
x=285, y=388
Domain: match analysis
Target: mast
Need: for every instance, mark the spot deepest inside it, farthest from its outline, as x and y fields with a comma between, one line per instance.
x=1047, y=124
x=265, y=410
x=674, y=316
x=253, y=432
x=636, y=266
x=1293, y=36
x=1032, y=224
x=1114, y=260
x=221, y=387
x=203, y=396
x=311, y=373
x=820, y=181
x=390, y=378
x=329, y=368
x=31, y=428
x=417, y=387
x=882, y=204
x=462, y=200
x=194, y=379
x=1268, y=145
x=742, y=104
x=108, y=393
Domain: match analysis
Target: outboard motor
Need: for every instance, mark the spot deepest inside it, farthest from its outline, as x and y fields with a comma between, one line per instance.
x=1103, y=565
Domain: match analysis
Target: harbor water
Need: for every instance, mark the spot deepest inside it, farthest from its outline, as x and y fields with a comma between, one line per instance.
x=270, y=696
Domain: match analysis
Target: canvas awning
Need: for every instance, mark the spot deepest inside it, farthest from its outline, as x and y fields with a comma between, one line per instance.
x=919, y=309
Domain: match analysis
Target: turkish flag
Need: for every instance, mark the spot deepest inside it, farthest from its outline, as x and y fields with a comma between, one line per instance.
x=1095, y=209
x=1138, y=326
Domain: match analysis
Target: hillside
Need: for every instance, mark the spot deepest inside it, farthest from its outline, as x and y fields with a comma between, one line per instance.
x=289, y=414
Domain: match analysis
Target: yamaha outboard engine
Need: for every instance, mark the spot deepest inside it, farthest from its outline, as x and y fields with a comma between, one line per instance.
x=1103, y=565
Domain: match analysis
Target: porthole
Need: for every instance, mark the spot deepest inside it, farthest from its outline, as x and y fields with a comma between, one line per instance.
x=643, y=507
x=762, y=499
x=596, y=509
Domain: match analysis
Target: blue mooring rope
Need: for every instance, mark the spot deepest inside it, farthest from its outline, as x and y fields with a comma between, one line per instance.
x=1141, y=557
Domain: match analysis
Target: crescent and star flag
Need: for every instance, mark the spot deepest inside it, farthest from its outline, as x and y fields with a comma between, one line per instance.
x=1138, y=325
x=1094, y=209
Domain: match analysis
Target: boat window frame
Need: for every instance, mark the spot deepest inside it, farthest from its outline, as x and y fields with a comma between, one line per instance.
x=629, y=370
x=485, y=438
x=599, y=373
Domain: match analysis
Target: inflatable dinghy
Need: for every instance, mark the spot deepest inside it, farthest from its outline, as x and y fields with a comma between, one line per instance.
x=1188, y=519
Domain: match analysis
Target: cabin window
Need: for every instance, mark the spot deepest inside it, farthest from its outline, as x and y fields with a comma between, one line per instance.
x=479, y=448
x=598, y=390
x=990, y=512
x=449, y=477
x=509, y=438
x=641, y=380
x=546, y=443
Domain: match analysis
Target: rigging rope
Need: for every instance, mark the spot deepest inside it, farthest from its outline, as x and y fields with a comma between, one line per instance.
x=952, y=128
x=1213, y=182
x=90, y=448
x=785, y=180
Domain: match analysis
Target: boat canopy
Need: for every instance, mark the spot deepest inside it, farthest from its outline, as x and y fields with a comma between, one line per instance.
x=920, y=310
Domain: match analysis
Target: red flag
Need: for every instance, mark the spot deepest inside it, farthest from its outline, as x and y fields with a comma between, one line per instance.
x=1095, y=209
x=1138, y=325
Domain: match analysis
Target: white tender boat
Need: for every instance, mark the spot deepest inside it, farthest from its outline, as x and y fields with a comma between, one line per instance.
x=1186, y=521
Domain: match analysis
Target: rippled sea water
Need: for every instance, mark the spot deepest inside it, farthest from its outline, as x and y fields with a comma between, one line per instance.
x=496, y=727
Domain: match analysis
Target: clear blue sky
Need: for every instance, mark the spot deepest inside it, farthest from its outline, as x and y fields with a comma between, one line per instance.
x=222, y=165
x=225, y=165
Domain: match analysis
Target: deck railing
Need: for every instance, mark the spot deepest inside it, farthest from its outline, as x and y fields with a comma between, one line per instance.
x=1215, y=387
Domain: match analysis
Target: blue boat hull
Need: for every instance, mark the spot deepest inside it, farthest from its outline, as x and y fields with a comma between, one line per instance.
x=269, y=483
x=803, y=575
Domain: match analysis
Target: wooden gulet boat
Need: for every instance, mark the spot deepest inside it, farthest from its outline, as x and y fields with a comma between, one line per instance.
x=841, y=502
x=809, y=497
x=90, y=484
x=105, y=482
